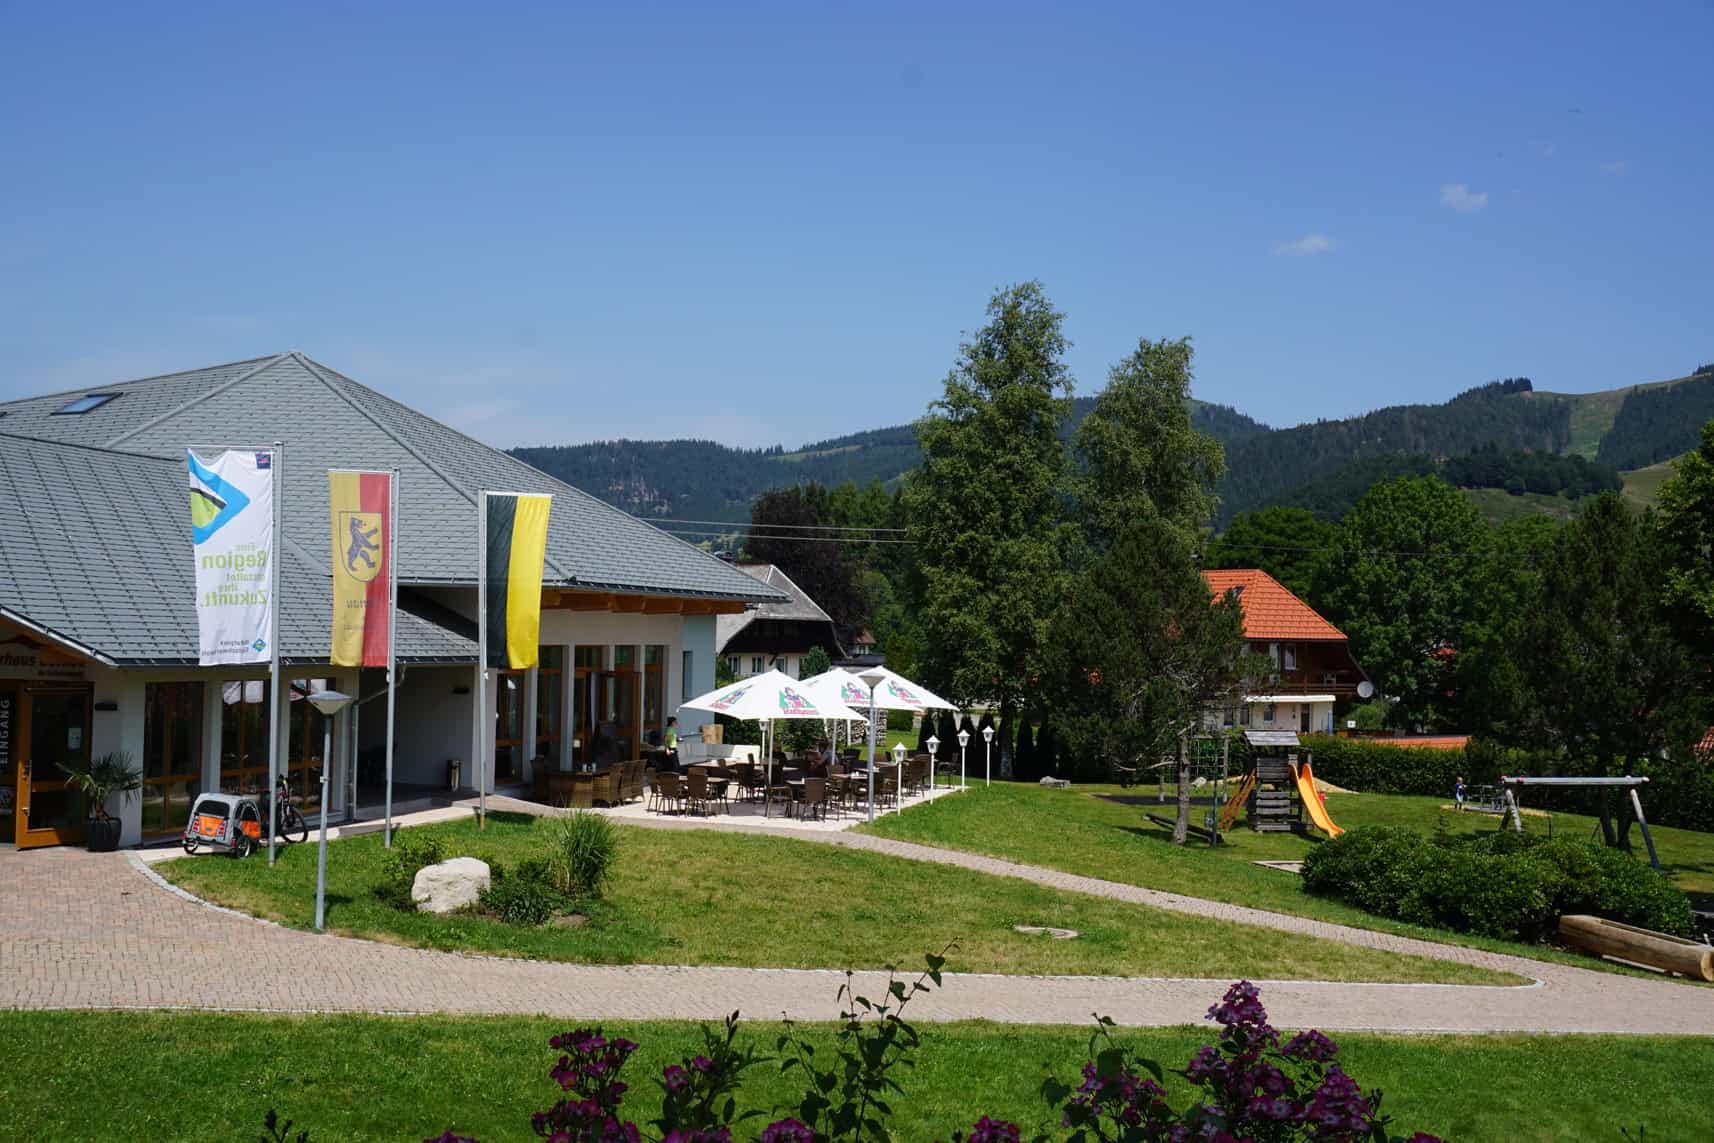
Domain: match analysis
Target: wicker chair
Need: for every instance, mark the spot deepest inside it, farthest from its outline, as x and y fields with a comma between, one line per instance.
x=695, y=797
x=814, y=798
x=666, y=794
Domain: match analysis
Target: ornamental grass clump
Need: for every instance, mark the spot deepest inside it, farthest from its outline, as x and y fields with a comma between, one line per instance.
x=584, y=845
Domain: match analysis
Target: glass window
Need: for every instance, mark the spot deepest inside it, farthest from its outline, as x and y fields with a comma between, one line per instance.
x=550, y=696
x=243, y=736
x=172, y=754
x=85, y=404
x=1288, y=657
x=624, y=658
x=731, y=664
x=685, y=694
x=304, y=743
x=755, y=664
x=1268, y=712
x=590, y=658
x=654, y=692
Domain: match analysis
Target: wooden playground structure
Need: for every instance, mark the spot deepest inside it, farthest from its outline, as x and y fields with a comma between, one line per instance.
x=1277, y=793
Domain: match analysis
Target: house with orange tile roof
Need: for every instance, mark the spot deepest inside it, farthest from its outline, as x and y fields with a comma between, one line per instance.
x=1313, y=667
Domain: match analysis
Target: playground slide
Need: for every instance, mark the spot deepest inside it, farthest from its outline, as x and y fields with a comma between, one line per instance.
x=1312, y=802
x=1235, y=803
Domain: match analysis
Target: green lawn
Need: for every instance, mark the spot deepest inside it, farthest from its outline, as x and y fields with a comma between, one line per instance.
x=711, y=897
x=172, y=1076
x=1084, y=830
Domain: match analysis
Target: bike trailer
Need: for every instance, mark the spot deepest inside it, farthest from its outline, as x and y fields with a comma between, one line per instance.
x=226, y=822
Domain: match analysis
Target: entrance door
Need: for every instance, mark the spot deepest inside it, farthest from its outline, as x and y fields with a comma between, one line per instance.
x=1304, y=713
x=618, y=704
x=53, y=730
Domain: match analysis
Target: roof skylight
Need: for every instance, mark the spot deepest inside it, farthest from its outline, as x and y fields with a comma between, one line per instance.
x=84, y=404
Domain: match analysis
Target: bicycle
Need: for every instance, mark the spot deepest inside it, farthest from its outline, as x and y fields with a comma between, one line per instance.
x=290, y=824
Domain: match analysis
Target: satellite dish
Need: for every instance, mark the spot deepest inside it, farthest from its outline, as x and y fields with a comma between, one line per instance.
x=1365, y=689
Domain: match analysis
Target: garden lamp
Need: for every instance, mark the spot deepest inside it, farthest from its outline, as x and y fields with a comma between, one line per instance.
x=899, y=773
x=329, y=703
x=988, y=747
x=872, y=678
x=933, y=753
x=963, y=741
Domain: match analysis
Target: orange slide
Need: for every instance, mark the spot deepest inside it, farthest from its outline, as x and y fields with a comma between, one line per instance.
x=1312, y=802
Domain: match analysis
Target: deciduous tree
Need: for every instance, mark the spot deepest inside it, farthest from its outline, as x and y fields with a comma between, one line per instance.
x=1399, y=582
x=985, y=505
x=1140, y=456
x=1141, y=652
x=1289, y=544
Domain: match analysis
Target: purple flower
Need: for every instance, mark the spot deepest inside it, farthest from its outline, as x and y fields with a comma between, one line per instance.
x=1311, y=1046
x=792, y=1131
x=702, y=1064
x=988, y=1131
x=675, y=1078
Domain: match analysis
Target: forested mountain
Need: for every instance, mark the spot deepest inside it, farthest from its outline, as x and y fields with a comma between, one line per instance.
x=1656, y=423
x=1516, y=472
x=703, y=480
x=1316, y=465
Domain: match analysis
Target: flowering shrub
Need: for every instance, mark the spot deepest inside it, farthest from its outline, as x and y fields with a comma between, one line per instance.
x=1251, y=1088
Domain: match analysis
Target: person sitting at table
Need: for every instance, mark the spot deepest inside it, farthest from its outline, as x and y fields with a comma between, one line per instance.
x=825, y=754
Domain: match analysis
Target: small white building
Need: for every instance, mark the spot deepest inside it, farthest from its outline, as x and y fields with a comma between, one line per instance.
x=774, y=636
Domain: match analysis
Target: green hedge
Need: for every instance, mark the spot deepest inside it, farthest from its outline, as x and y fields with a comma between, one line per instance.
x=1373, y=768
x=1506, y=885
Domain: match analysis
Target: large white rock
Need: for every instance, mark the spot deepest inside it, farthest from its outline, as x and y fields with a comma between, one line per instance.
x=450, y=885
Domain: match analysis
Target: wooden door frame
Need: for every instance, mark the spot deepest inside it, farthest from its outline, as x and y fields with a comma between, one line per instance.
x=27, y=838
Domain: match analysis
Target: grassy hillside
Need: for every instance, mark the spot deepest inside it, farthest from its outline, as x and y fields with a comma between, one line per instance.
x=1642, y=485
x=1497, y=505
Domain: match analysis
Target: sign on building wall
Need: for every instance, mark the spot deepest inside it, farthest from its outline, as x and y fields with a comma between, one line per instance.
x=232, y=519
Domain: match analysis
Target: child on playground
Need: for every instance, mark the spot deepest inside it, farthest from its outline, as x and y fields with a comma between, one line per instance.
x=1458, y=791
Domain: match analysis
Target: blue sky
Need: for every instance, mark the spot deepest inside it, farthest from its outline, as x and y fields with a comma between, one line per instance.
x=772, y=223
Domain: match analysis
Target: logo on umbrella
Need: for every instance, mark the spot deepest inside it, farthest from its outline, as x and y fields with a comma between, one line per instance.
x=730, y=699
x=855, y=693
x=793, y=703
x=903, y=693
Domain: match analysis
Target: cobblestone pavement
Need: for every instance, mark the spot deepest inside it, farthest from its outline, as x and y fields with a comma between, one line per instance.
x=82, y=930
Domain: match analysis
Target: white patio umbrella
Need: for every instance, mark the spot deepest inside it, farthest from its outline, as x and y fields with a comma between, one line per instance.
x=771, y=696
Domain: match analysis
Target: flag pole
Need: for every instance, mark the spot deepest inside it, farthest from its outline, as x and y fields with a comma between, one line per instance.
x=277, y=464
x=392, y=626
x=481, y=659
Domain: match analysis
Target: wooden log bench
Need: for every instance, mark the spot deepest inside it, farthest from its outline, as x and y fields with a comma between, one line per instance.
x=1639, y=946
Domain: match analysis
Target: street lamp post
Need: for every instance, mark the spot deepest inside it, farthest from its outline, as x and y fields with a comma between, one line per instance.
x=988, y=758
x=329, y=703
x=933, y=751
x=963, y=741
x=872, y=679
x=899, y=774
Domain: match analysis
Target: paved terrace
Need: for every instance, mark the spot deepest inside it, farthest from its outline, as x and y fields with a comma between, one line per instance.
x=81, y=930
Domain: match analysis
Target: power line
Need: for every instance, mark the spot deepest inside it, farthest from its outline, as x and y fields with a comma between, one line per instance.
x=752, y=527
x=783, y=539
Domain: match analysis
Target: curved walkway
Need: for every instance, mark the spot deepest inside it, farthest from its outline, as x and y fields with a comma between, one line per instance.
x=81, y=930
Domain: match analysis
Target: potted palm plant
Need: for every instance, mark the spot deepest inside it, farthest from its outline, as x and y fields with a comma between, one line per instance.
x=111, y=775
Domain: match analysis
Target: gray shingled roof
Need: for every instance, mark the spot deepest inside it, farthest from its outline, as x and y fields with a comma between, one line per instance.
x=326, y=420
x=796, y=604
x=95, y=548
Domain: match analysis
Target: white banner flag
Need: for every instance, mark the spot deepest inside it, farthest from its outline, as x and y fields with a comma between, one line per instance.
x=232, y=517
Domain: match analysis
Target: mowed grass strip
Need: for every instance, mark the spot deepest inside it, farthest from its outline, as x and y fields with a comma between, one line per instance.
x=171, y=1076
x=1100, y=831
x=710, y=897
